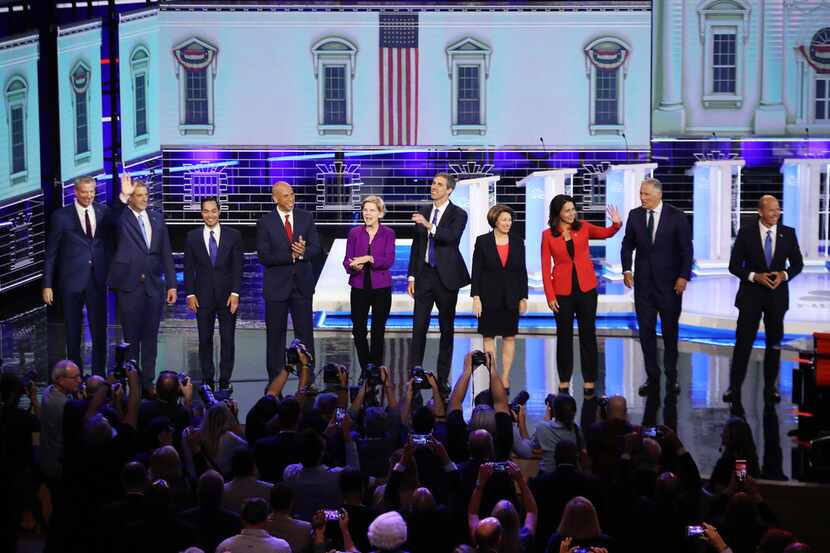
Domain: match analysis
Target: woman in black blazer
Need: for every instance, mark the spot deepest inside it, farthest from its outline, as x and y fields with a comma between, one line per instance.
x=499, y=285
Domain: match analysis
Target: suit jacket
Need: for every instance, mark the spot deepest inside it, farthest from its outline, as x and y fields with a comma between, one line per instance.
x=274, y=253
x=499, y=287
x=659, y=264
x=554, y=247
x=71, y=253
x=133, y=262
x=748, y=257
x=448, y=259
x=212, y=285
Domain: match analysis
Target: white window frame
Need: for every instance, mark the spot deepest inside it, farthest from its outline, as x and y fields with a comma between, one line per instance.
x=17, y=92
x=469, y=52
x=334, y=51
x=139, y=66
x=210, y=72
x=723, y=16
x=591, y=74
x=806, y=76
x=81, y=157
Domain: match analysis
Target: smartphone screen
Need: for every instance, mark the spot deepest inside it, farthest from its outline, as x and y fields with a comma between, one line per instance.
x=740, y=470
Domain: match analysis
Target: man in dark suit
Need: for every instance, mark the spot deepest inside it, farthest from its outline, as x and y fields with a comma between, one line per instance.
x=436, y=272
x=661, y=236
x=142, y=256
x=286, y=240
x=765, y=257
x=79, y=249
x=212, y=280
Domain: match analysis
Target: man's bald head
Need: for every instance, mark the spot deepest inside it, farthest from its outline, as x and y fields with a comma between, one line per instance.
x=617, y=408
x=423, y=500
x=488, y=534
x=481, y=444
x=283, y=195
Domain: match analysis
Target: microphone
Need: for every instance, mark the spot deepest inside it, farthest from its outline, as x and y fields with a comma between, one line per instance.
x=626, y=144
x=544, y=147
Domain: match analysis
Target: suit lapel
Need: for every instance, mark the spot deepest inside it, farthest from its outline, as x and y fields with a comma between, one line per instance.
x=781, y=242
x=661, y=223
x=223, y=246
x=99, y=218
x=132, y=224
x=281, y=226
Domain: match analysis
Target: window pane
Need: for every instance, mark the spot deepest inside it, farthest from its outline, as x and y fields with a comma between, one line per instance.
x=334, y=96
x=196, y=100
x=18, y=144
x=821, y=89
x=820, y=111
x=81, y=124
x=724, y=63
x=140, y=105
x=469, y=95
x=606, y=100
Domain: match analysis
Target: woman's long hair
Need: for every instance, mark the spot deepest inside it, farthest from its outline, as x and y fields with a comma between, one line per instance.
x=507, y=515
x=556, y=205
x=216, y=422
x=564, y=410
x=579, y=520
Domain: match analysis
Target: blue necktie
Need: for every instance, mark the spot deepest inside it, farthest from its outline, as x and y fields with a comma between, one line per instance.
x=431, y=239
x=213, y=249
x=143, y=229
x=768, y=248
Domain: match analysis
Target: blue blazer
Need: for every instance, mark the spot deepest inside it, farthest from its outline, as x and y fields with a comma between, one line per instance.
x=670, y=257
x=274, y=253
x=133, y=262
x=212, y=285
x=70, y=252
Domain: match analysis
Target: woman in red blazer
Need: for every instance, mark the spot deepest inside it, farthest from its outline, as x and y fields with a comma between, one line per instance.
x=571, y=288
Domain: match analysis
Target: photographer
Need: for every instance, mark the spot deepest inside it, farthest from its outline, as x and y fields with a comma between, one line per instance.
x=420, y=379
x=560, y=411
x=259, y=417
x=171, y=387
x=319, y=542
x=605, y=437
x=275, y=452
x=66, y=381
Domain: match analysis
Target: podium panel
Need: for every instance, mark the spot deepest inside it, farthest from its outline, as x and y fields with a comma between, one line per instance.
x=806, y=207
x=475, y=196
x=622, y=189
x=717, y=189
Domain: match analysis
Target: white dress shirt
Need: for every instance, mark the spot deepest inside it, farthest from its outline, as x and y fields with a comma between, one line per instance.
x=773, y=236
x=437, y=222
x=290, y=214
x=80, y=210
x=139, y=215
x=206, y=235
x=254, y=540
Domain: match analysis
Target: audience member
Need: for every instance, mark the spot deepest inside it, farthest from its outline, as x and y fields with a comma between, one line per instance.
x=282, y=524
x=388, y=533
x=208, y=522
x=275, y=452
x=221, y=436
x=254, y=536
x=244, y=484
x=579, y=527
x=559, y=424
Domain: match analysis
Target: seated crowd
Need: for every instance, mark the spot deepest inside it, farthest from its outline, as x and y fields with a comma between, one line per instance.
x=360, y=472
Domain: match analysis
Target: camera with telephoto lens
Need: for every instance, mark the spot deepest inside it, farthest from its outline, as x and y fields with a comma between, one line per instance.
x=371, y=375
x=331, y=374
x=119, y=371
x=211, y=398
x=479, y=358
x=520, y=399
x=292, y=354
x=419, y=378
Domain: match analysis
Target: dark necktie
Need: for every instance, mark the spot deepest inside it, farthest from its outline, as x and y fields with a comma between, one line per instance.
x=431, y=238
x=88, y=224
x=768, y=248
x=213, y=248
x=650, y=226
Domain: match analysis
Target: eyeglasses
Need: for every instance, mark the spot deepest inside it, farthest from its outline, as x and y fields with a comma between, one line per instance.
x=76, y=377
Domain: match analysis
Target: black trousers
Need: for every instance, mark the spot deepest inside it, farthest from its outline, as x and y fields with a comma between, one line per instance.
x=749, y=316
x=429, y=291
x=94, y=297
x=648, y=304
x=379, y=300
x=276, y=325
x=205, y=322
x=140, y=312
x=583, y=305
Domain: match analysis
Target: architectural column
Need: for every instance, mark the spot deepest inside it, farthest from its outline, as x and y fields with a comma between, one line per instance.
x=770, y=115
x=670, y=116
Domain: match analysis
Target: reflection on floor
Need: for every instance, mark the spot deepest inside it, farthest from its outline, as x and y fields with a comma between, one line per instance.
x=698, y=412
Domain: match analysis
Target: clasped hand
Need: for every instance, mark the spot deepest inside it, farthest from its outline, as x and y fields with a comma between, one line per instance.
x=771, y=280
x=298, y=247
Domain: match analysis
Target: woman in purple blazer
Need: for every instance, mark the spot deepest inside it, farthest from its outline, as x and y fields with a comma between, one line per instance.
x=370, y=252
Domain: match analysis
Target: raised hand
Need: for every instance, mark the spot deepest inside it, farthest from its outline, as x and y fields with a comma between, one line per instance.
x=614, y=214
x=127, y=186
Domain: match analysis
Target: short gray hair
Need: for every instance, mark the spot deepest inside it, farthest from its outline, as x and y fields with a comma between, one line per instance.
x=653, y=182
x=61, y=367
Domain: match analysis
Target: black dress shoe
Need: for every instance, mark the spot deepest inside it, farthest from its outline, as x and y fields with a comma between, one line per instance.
x=672, y=387
x=729, y=396
x=209, y=383
x=737, y=410
x=646, y=388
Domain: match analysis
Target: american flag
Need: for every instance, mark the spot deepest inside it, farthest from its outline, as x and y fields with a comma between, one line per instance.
x=398, y=79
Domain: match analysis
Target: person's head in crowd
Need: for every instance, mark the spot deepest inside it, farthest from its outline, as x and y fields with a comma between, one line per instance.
x=667, y=489
x=650, y=455
x=93, y=382
x=566, y=453
x=742, y=513
x=775, y=540
x=218, y=420
x=483, y=417
x=616, y=409
x=737, y=440
x=243, y=464
x=159, y=499
x=66, y=376
x=315, y=420
x=134, y=478
x=481, y=445
x=423, y=420
x=579, y=520
x=423, y=501
x=160, y=430
x=484, y=397
x=97, y=431
x=798, y=547
x=410, y=480
x=282, y=499
x=326, y=403
x=254, y=513
x=167, y=387
x=312, y=447
x=488, y=535
x=209, y=489
x=388, y=532
x=288, y=413
x=165, y=464
x=374, y=422
x=564, y=409
x=352, y=486
x=508, y=517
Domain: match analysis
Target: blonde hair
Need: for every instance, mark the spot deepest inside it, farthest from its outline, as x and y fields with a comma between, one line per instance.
x=378, y=201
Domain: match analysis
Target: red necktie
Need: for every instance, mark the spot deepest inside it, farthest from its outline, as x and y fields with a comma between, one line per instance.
x=88, y=224
x=288, y=230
